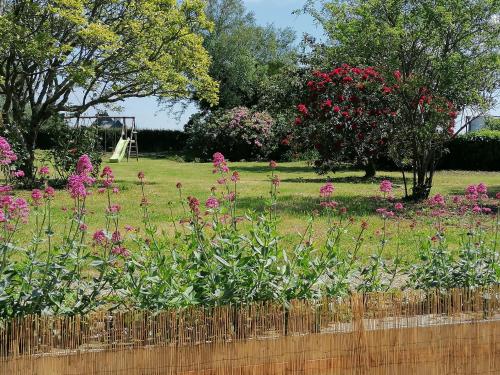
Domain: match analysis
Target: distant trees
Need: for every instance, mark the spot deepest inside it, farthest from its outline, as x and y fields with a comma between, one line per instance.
x=71, y=55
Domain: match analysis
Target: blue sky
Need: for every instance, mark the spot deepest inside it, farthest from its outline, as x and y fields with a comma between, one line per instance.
x=278, y=12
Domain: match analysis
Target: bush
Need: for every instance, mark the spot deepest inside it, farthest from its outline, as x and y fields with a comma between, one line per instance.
x=479, y=150
x=68, y=143
x=240, y=133
x=492, y=123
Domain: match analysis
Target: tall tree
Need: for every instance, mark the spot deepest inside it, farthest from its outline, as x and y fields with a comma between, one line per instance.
x=244, y=55
x=70, y=55
x=442, y=49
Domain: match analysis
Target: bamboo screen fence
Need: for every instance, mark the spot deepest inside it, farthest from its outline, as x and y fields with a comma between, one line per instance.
x=404, y=333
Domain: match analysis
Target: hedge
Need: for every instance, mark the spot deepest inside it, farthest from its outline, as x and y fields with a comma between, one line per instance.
x=149, y=140
x=478, y=150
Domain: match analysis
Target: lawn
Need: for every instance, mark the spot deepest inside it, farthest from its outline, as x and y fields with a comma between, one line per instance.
x=298, y=195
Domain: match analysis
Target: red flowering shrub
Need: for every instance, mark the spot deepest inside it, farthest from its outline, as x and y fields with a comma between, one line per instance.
x=347, y=115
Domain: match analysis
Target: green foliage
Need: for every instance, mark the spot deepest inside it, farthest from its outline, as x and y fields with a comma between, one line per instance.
x=68, y=143
x=71, y=55
x=239, y=133
x=245, y=56
x=492, y=123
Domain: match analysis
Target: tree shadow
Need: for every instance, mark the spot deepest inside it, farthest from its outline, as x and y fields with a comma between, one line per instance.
x=347, y=180
x=280, y=169
x=301, y=205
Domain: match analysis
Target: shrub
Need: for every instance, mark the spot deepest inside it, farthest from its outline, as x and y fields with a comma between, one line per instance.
x=68, y=143
x=240, y=133
x=492, y=123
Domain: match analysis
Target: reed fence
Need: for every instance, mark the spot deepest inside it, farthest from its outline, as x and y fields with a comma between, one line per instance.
x=456, y=332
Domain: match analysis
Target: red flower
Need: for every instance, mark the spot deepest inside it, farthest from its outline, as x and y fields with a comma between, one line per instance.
x=397, y=75
x=298, y=121
x=336, y=109
x=302, y=109
x=328, y=103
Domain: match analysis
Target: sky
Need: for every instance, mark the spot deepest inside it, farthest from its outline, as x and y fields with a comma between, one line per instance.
x=150, y=115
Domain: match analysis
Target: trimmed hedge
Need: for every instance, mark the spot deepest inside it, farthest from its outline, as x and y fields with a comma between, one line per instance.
x=149, y=140
x=479, y=150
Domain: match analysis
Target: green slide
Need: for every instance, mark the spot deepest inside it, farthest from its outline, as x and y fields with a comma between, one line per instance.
x=120, y=150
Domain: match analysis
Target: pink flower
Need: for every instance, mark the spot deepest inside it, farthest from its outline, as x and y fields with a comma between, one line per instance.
x=116, y=190
x=116, y=236
x=129, y=228
x=194, y=205
x=273, y=164
x=230, y=197
x=107, y=172
x=84, y=165
x=212, y=203
x=140, y=175
x=101, y=190
x=476, y=209
x=76, y=186
x=497, y=196
x=437, y=200
x=5, y=189
x=36, y=195
x=7, y=156
x=221, y=181
x=326, y=190
x=120, y=250
x=486, y=210
x=386, y=186
x=83, y=227
x=276, y=181
x=44, y=171
x=482, y=189
x=49, y=192
x=235, y=176
x=471, y=189
x=399, y=206
x=18, y=174
x=114, y=208
x=99, y=237
x=218, y=159
x=457, y=199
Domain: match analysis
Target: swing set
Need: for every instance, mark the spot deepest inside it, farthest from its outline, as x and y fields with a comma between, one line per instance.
x=124, y=145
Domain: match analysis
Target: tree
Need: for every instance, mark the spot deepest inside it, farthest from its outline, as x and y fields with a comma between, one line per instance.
x=70, y=55
x=449, y=49
x=347, y=114
x=245, y=56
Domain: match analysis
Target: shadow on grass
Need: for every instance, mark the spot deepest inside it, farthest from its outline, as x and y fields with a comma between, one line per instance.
x=492, y=190
x=280, y=169
x=347, y=180
x=300, y=205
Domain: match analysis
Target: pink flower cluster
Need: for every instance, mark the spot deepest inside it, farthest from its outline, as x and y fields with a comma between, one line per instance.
x=475, y=192
x=13, y=209
x=212, y=203
x=219, y=162
x=7, y=156
x=326, y=190
x=386, y=186
x=78, y=183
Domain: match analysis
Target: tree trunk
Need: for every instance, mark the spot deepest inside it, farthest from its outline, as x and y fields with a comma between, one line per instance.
x=370, y=170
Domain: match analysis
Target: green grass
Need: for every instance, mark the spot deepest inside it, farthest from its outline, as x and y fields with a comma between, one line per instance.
x=298, y=194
